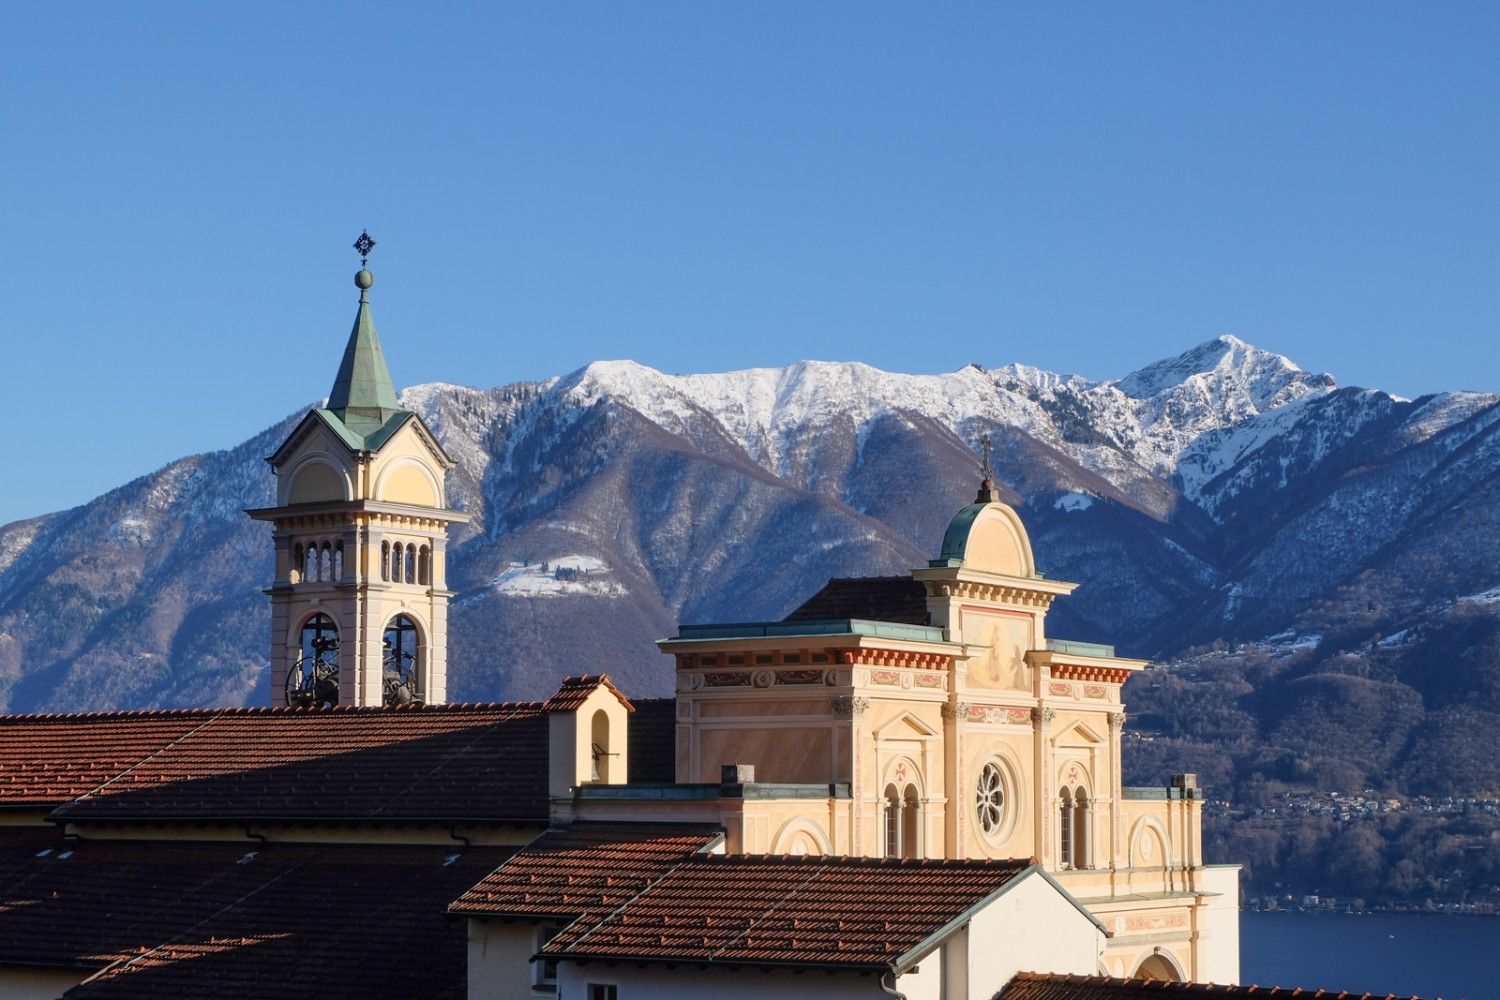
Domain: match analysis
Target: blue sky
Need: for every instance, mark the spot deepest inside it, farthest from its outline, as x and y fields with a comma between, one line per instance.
x=708, y=186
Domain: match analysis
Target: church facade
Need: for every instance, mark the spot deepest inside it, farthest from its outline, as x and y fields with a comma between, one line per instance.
x=906, y=787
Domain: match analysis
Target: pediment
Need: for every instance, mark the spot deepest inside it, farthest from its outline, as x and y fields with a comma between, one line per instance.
x=906, y=726
x=1078, y=734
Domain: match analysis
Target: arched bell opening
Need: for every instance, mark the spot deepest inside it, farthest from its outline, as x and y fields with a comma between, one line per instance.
x=313, y=679
x=401, y=667
x=600, y=748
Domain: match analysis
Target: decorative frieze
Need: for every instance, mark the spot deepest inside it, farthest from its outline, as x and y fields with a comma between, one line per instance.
x=994, y=593
x=727, y=678
x=894, y=658
x=885, y=677
x=1095, y=691
x=802, y=676
x=1060, y=690
x=1093, y=674
x=995, y=715
x=930, y=681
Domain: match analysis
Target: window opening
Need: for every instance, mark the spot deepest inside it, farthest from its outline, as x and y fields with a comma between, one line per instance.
x=399, y=669
x=989, y=799
x=892, y=822
x=314, y=678
x=1066, y=830
x=911, y=824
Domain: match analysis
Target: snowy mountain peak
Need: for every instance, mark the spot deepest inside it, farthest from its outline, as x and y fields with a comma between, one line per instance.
x=1223, y=359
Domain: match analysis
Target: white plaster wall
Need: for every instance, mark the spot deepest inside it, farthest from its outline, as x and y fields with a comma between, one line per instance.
x=684, y=983
x=1032, y=928
x=1219, y=941
x=499, y=966
x=18, y=983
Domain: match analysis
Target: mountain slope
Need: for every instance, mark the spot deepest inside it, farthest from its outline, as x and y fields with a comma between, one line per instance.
x=1224, y=493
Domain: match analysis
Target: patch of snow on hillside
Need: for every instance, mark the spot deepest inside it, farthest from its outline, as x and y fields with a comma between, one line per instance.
x=1074, y=501
x=556, y=577
x=1487, y=597
x=130, y=530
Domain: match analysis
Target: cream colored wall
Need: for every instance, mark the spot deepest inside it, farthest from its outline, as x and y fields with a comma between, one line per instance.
x=499, y=960
x=1031, y=928
x=23, y=983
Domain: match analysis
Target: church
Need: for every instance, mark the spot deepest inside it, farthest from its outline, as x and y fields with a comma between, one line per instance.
x=904, y=788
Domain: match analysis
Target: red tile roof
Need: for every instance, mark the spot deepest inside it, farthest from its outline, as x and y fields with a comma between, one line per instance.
x=1036, y=986
x=586, y=870
x=231, y=920
x=436, y=763
x=576, y=690
x=852, y=912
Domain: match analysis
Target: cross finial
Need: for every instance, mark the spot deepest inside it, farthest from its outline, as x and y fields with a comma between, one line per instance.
x=364, y=245
x=987, y=491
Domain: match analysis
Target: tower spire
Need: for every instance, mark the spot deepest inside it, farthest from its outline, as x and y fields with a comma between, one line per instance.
x=363, y=396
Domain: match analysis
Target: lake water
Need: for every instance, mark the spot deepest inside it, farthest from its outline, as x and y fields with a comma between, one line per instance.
x=1408, y=954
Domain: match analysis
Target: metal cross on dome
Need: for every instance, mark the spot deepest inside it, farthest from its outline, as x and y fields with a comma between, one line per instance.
x=364, y=245
x=984, y=468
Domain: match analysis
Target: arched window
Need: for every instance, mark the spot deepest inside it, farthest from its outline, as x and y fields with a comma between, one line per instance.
x=410, y=576
x=424, y=566
x=325, y=562
x=298, y=558
x=385, y=560
x=903, y=821
x=1075, y=829
x=401, y=671
x=310, y=563
x=396, y=562
x=314, y=678
x=338, y=561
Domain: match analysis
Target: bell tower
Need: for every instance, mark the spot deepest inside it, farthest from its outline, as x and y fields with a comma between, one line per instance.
x=359, y=605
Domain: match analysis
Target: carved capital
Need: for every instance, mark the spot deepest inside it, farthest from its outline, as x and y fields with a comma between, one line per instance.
x=1116, y=722
x=959, y=710
x=848, y=706
x=1042, y=716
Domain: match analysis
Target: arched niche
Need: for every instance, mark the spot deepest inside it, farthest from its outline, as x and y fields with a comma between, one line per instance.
x=801, y=836
x=408, y=482
x=1149, y=844
x=314, y=482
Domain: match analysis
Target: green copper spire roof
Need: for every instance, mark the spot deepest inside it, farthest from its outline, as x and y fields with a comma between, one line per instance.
x=363, y=397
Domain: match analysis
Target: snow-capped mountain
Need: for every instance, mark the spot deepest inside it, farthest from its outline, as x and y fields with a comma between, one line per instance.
x=1224, y=493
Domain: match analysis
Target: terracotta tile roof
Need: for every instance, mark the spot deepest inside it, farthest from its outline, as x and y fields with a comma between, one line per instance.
x=653, y=741
x=575, y=691
x=49, y=759
x=435, y=763
x=233, y=920
x=586, y=870
x=852, y=912
x=1036, y=986
x=878, y=598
